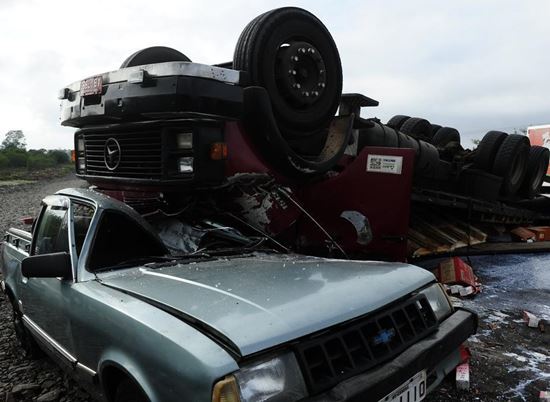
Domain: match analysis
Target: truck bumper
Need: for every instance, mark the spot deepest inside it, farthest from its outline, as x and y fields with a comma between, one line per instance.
x=438, y=354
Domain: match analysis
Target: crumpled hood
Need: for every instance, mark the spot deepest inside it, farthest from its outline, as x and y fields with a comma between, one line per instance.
x=264, y=300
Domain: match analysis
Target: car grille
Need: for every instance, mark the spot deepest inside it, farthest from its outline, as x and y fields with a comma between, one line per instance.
x=362, y=344
x=140, y=154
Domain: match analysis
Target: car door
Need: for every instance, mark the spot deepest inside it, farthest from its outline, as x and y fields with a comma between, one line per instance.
x=45, y=301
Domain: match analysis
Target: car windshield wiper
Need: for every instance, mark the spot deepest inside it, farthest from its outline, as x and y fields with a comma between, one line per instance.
x=254, y=245
x=134, y=262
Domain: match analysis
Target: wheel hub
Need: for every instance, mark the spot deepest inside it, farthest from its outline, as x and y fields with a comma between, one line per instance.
x=301, y=74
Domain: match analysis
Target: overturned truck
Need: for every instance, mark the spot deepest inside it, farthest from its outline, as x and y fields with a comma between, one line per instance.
x=270, y=139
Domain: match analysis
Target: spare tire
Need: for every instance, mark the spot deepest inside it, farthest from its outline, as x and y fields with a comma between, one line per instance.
x=487, y=150
x=511, y=162
x=290, y=53
x=259, y=122
x=537, y=166
x=152, y=55
x=417, y=128
x=444, y=136
x=397, y=121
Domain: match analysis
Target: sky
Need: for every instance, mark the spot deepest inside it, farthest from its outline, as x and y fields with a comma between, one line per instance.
x=469, y=64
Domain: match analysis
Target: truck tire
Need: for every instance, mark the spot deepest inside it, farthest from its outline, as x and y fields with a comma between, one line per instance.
x=397, y=121
x=259, y=122
x=379, y=135
x=152, y=55
x=537, y=166
x=406, y=141
x=487, y=150
x=444, y=136
x=427, y=162
x=511, y=162
x=417, y=128
x=435, y=128
x=290, y=53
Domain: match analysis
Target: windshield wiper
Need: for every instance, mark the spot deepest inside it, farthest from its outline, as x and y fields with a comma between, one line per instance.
x=256, y=245
x=134, y=262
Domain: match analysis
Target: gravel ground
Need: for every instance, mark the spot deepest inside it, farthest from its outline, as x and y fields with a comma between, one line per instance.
x=510, y=362
x=22, y=379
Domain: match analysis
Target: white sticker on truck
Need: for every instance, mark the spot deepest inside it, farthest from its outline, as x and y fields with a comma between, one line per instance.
x=384, y=164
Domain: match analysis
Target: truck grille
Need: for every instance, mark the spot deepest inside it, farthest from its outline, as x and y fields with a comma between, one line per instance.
x=140, y=155
x=355, y=347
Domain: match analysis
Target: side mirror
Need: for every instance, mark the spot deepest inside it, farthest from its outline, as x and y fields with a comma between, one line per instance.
x=55, y=265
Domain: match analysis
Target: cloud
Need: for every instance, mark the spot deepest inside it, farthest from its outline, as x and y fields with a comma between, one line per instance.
x=469, y=64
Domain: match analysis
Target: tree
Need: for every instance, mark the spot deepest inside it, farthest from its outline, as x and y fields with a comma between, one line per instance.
x=15, y=139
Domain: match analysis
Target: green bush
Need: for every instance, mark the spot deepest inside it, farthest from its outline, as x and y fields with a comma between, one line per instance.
x=61, y=157
x=16, y=157
x=39, y=161
x=4, y=162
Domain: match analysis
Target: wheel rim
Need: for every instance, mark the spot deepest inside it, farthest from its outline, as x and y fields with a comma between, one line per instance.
x=300, y=73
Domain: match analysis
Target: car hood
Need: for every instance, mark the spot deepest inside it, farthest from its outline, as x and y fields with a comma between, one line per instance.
x=257, y=302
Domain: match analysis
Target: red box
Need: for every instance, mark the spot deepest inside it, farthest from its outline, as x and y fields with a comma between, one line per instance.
x=455, y=271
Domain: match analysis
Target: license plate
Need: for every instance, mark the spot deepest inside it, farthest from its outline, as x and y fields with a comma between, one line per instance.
x=91, y=86
x=413, y=390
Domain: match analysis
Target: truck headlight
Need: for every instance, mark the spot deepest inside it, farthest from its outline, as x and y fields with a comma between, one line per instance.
x=438, y=300
x=184, y=140
x=275, y=380
x=185, y=164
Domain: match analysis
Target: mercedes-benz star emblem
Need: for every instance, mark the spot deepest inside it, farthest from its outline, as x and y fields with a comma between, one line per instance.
x=112, y=154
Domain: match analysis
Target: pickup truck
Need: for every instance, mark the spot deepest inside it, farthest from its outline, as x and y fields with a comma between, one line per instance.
x=108, y=296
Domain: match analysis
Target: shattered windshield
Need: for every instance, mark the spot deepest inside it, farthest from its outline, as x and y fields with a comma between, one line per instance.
x=182, y=237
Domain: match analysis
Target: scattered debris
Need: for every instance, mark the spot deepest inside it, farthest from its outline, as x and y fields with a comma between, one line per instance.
x=457, y=277
x=542, y=233
x=533, y=321
x=463, y=377
x=523, y=234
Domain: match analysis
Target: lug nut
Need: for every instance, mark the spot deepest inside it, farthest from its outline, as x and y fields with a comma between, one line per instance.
x=311, y=50
x=302, y=50
x=321, y=84
x=315, y=93
x=305, y=93
x=297, y=86
x=294, y=58
x=291, y=72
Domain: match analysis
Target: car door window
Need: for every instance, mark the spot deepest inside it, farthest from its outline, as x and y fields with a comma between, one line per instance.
x=82, y=217
x=119, y=239
x=52, y=234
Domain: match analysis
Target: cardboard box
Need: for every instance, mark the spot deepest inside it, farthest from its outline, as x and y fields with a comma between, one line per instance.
x=523, y=234
x=463, y=377
x=541, y=232
x=455, y=271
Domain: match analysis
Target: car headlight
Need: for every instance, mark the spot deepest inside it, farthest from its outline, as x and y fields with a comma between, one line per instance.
x=438, y=300
x=275, y=380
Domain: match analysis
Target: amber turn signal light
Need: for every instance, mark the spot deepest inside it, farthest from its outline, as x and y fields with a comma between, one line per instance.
x=218, y=151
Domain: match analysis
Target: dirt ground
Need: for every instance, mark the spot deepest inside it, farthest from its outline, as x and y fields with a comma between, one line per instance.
x=510, y=362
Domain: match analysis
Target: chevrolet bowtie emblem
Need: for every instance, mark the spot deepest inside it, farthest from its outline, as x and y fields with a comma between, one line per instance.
x=384, y=336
